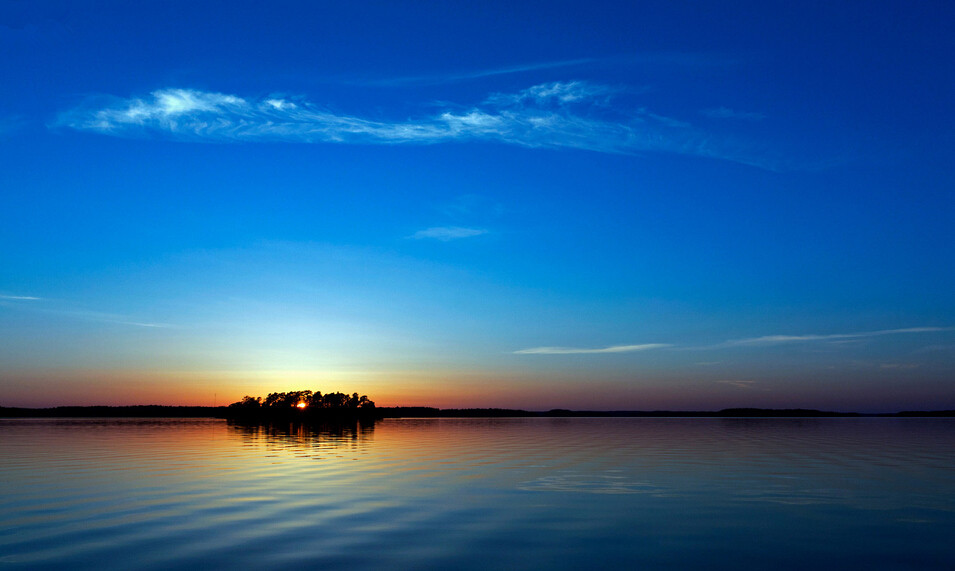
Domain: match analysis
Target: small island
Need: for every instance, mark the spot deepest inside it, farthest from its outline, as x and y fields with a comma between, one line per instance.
x=303, y=406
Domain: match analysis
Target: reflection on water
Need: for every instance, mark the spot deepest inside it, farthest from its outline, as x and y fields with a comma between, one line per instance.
x=560, y=493
x=305, y=437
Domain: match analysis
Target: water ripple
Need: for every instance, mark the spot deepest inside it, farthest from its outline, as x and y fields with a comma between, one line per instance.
x=468, y=494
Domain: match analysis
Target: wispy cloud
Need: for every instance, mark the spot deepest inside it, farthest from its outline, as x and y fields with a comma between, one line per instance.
x=689, y=60
x=763, y=341
x=104, y=317
x=571, y=115
x=58, y=308
x=738, y=384
x=436, y=79
x=141, y=324
x=577, y=350
x=553, y=94
x=727, y=113
x=447, y=233
x=20, y=297
x=768, y=340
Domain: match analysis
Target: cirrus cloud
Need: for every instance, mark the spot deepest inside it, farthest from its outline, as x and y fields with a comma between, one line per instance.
x=762, y=341
x=568, y=115
x=447, y=233
x=768, y=340
x=577, y=350
x=20, y=297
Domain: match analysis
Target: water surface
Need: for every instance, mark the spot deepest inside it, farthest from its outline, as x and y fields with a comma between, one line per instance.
x=575, y=493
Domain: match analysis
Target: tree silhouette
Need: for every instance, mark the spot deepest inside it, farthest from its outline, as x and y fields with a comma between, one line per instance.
x=303, y=404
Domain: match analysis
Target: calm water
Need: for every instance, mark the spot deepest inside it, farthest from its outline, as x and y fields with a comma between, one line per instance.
x=479, y=494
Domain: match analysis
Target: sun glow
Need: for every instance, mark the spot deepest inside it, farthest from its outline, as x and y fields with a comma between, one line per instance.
x=301, y=405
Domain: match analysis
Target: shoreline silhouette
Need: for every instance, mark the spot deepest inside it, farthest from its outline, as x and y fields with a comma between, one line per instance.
x=160, y=411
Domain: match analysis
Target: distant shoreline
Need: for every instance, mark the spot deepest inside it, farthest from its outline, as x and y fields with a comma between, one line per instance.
x=160, y=411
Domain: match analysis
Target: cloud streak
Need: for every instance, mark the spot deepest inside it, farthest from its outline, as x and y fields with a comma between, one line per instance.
x=688, y=60
x=84, y=314
x=738, y=384
x=763, y=341
x=103, y=317
x=578, y=351
x=769, y=340
x=437, y=79
x=447, y=233
x=20, y=297
x=559, y=115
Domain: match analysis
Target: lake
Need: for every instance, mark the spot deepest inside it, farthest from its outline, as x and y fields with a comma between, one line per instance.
x=524, y=493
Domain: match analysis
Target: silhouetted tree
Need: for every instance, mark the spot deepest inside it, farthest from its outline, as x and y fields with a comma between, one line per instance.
x=306, y=400
x=248, y=403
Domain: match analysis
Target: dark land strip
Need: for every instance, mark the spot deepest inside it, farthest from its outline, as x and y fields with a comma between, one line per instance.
x=160, y=411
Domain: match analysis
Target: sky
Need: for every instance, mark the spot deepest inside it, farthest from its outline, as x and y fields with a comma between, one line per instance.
x=588, y=205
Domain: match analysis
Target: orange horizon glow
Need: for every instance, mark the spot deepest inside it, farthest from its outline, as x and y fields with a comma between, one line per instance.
x=438, y=389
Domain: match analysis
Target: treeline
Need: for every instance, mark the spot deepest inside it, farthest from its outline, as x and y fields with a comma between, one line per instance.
x=134, y=411
x=431, y=412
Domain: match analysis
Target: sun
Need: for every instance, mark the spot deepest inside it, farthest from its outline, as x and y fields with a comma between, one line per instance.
x=301, y=405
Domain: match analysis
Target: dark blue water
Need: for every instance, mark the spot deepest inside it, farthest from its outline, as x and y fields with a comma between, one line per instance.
x=479, y=494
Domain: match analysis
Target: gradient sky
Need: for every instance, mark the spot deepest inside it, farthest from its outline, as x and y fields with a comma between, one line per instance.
x=604, y=205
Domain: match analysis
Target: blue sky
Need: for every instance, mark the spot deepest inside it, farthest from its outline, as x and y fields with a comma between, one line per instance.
x=538, y=205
